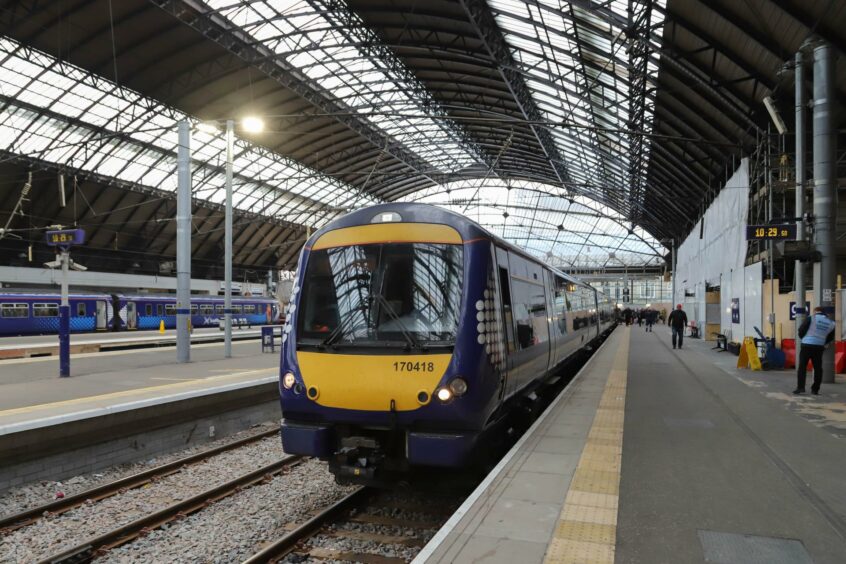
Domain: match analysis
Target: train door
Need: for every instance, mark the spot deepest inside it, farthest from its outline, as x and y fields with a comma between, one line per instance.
x=102, y=316
x=131, y=315
x=503, y=279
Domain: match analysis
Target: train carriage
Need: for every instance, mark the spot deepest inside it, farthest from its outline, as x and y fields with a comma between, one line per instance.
x=25, y=313
x=412, y=332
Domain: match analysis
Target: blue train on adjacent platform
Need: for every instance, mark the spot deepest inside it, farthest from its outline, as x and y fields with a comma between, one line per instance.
x=412, y=333
x=23, y=313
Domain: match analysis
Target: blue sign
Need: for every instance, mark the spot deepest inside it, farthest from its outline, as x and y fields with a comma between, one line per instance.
x=735, y=310
x=794, y=311
x=65, y=237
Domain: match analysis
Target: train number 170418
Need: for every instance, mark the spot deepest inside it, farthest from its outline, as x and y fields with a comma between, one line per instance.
x=414, y=366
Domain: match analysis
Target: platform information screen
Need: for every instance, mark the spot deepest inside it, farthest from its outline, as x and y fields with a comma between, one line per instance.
x=65, y=237
x=770, y=232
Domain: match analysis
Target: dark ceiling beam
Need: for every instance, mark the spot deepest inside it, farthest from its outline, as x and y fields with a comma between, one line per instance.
x=816, y=26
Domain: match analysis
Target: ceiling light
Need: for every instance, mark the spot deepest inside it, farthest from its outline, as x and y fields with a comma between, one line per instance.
x=252, y=124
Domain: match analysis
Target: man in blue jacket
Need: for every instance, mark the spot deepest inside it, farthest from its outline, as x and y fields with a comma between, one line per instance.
x=816, y=332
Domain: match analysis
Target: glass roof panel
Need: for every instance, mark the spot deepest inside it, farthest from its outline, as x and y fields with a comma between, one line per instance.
x=582, y=63
x=331, y=47
x=568, y=231
x=92, y=124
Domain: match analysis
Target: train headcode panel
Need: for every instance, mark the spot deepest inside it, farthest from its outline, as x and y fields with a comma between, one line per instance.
x=770, y=232
x=65, y=237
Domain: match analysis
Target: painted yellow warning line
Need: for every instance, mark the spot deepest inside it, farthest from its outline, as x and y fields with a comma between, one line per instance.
x=586, y=532
x=136, y=391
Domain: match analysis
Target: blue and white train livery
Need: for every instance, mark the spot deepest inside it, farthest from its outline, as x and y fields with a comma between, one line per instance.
x=413, y=333
x=23, y=313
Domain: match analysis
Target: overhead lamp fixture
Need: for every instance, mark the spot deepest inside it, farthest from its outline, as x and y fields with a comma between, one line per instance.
x=252, y=124
x=774, y=115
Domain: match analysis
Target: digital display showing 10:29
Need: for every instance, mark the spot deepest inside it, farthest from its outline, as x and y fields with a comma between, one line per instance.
x=786, y=231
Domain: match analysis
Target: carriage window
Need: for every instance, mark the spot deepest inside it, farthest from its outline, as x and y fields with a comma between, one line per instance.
x=80, y=309
x=45, y=310
x=159, y=310
x=170, y=309
x=249, y=308
x=236, y=309
x=14, y=310
x=206, y=309
x=148, y=309
x=194, y=309
x=529, y=303
x=219, y=309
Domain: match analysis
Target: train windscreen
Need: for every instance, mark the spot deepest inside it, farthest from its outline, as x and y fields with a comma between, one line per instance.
x=388, y=294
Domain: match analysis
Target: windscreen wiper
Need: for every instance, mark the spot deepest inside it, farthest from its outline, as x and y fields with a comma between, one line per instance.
x=336, y=332
x=412, y=342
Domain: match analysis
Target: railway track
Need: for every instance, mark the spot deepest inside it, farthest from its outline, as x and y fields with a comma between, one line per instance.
x=15, y=521
x=92, y=547
x=347, y=522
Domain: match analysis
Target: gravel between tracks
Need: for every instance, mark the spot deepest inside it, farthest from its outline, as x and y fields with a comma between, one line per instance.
x=55, y=534
x=31, y=495
x=236, y=527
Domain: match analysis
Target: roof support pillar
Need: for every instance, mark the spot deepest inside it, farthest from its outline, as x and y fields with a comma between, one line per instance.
x=183, y=243
x=825, y=206
x=799, y=269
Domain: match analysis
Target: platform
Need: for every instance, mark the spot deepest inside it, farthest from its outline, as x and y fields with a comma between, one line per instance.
x=81, y=343
x=119, y=406
x=655, y=455
x=30, y=386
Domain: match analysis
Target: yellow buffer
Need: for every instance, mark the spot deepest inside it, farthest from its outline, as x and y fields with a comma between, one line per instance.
x=370, y=382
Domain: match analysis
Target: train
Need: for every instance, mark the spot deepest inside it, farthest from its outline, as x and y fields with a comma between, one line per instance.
x=411, y=336
x=33, y=313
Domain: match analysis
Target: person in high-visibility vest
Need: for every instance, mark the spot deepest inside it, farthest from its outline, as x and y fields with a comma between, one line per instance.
x=816, y=332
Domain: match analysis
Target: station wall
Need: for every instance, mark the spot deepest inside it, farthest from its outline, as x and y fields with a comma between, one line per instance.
x=714, y=255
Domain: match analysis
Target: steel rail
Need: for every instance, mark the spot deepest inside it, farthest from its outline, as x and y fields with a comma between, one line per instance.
x=15, y=521
x=285, y=544
x=88, y=550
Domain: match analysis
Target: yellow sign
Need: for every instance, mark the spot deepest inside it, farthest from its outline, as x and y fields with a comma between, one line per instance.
x=749, y=355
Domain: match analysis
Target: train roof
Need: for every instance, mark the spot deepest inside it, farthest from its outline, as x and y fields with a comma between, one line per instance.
x=193, y=298
x=8, y=294
x=412, y=212
x=21, y=294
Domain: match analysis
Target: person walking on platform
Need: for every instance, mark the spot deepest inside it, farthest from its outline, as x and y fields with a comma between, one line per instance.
x=677, y=322
x=651, y=316
x=816, y=332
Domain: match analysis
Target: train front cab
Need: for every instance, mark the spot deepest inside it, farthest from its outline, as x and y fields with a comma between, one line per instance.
x=378, y=370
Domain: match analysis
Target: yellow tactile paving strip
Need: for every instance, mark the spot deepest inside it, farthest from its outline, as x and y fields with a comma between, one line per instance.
x=586, y=532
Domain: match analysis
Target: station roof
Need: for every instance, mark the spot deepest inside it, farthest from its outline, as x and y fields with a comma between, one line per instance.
x=586, y=131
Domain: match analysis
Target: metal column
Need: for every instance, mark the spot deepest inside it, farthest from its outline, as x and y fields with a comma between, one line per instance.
x=825, y=204
x=800, y=191
x=183, y=243
x=673, y=299
x=227, y=268
x=64, y=320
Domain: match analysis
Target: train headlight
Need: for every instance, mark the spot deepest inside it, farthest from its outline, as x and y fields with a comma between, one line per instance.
x=444, y=394
x=458, y=386
x=288, y=380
